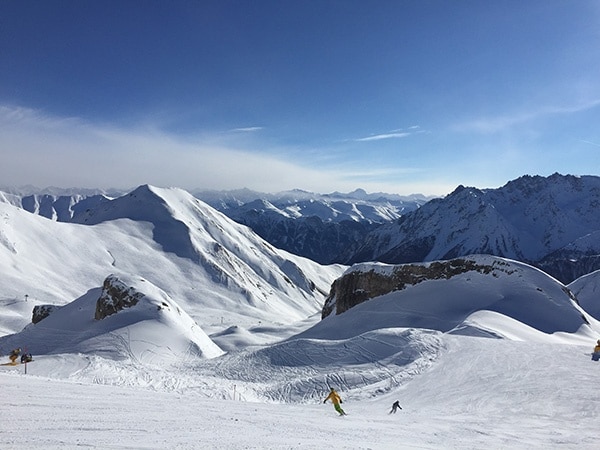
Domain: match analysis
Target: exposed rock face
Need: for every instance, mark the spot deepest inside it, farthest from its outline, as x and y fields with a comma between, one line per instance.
x=357, y=286
x=40, y=312
x=115, y=297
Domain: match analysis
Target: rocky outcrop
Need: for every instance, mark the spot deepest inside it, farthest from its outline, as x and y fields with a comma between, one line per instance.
x=357, y=285
x=115, y=297
x=40, y=312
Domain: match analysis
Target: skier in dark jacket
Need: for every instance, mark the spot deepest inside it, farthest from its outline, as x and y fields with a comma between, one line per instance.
x=395, y=407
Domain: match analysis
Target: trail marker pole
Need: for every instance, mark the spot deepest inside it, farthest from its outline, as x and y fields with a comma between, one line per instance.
x=24, y=353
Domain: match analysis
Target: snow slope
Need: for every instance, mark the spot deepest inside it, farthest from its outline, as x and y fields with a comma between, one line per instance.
x=495, y=360
x=479, y=393
x=216, y=270
x=587, y=290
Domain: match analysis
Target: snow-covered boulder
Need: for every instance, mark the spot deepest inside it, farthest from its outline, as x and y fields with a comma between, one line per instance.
x=115, y=297
x=40, y=312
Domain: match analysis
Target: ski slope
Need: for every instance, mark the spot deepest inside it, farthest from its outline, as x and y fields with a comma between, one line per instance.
x=483, y=359
x=479, y=393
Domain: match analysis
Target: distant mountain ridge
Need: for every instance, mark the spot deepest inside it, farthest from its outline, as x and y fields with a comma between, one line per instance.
x=62, y=205
x=316, y=226
x=550, y=222
x=357, y=205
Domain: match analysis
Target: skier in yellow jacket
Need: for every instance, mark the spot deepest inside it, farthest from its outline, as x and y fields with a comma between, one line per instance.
x=596, y=354
x=14, y=354
x=336, y=400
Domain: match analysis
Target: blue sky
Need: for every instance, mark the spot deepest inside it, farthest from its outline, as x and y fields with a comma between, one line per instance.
x=394, y=96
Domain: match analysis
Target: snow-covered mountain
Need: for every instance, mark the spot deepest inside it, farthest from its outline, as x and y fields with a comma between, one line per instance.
x=204, y=261
x=587, y=290
x=469, y=295
x=552, y=222
x=317, y=226
x=214, y=313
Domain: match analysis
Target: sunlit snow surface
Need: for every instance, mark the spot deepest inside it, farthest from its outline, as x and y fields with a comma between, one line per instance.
x=479, y=393
x=476, y=362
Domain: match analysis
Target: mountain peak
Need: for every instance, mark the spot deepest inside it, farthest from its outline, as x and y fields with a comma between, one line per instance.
x=528, y=219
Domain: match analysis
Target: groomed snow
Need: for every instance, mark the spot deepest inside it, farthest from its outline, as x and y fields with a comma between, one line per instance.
x=479, y=393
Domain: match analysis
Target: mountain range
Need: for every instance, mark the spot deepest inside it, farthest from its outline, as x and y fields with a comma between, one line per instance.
x=550, y=222
x=316, y=226
x=155, y=299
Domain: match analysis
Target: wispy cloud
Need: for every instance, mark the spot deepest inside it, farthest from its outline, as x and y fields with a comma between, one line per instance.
x=46, y=150
x=379, y=137
x=394, y=134
x=489, y=125
x=378, y=173
x=595, y=144
x=246, y=129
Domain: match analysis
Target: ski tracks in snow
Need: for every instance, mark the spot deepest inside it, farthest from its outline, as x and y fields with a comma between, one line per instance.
x=301, y=370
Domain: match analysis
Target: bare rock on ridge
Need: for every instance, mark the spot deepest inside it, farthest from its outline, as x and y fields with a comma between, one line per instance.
x=115, y=297
x=356, y=286
x=468, y=293
x=40, y=312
